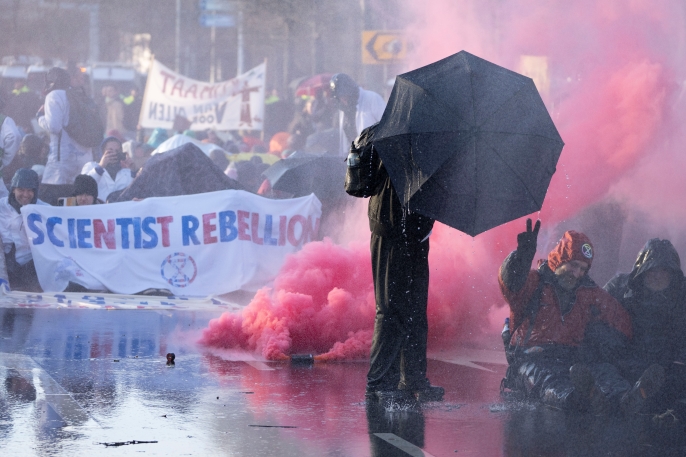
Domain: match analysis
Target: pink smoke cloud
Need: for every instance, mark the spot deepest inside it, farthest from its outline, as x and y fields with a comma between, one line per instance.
x=322, y=302
x=614, y=80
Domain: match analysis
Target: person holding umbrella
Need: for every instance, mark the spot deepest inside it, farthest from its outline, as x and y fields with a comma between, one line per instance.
x=464, y=142
x=400, y=266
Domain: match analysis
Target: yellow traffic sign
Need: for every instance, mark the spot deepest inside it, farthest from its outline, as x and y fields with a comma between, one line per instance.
x=383, y=46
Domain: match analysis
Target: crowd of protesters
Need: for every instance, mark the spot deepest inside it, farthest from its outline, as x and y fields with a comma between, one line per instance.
x=46, y=162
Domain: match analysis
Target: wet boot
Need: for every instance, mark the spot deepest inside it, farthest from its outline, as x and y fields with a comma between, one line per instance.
x=587, y=397
x=392, y=398
x=423, y=391
x=647, y=386
x=383, y=394
x=430, y=393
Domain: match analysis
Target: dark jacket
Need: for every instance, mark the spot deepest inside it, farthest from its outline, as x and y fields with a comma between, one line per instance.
x=388, y=218
x=658, y=318
x=552, y=326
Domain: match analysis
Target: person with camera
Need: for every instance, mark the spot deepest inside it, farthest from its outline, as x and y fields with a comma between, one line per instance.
x=113, y=172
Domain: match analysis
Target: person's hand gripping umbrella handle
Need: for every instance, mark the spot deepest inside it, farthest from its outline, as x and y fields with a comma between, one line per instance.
x=526, y=241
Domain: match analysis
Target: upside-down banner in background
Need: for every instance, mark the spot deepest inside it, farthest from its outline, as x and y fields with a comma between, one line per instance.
x=192, y=245
x=228, y=105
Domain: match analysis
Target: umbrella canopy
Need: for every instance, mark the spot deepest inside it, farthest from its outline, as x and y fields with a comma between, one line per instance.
x=182, y=171
x=468, y=143
x=311, y=85
x=322, y=176
x=179, y=140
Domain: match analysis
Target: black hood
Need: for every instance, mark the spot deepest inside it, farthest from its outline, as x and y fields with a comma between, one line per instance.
x=656, y=253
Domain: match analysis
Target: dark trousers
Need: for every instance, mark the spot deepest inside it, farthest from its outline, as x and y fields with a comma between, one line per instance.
x=401, y=284
x=547, y=379
x=22, y=277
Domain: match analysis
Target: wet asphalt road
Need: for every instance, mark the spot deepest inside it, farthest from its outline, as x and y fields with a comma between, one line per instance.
x=73, y=379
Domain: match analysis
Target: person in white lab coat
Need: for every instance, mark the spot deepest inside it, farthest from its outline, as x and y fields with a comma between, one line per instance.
x=113, y=172
x=19, y=265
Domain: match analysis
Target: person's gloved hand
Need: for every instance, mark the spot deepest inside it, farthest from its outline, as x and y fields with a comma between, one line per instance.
x=526, y=241
x=4, y=285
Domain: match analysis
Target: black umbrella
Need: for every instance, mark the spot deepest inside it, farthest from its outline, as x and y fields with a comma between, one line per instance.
x=468, y=143
x=181, y=171
x=305, y=175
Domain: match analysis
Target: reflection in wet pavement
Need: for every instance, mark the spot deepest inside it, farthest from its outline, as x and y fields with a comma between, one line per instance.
x=74, y=378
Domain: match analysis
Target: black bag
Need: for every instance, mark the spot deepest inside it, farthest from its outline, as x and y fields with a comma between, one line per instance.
x=363, y=166
x=85, y=126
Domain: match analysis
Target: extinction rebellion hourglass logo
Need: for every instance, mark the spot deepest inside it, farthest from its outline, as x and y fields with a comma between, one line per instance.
x=179, y=270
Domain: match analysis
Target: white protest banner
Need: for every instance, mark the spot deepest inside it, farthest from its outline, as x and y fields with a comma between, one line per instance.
x=192, y=245
x=229, y=105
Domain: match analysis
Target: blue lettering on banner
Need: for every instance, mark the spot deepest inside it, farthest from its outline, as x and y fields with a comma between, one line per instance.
x=124, y=223
x=219, y=111
x=82, y=233
x=137, y=237
x=152, y=242
x=227, y=226
x=189, y=224
x=32, y=219
x=268, y=231
x=50, y=228
x=152, y=111
x=71, y=226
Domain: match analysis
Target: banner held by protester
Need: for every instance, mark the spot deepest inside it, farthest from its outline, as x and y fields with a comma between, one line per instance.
x=228, y=105
x=192, y=245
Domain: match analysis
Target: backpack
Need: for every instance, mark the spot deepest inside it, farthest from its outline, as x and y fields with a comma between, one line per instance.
x=363, y=165
x=85, y=126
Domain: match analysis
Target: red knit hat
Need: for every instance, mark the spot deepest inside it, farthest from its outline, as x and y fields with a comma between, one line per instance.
x=572, y=246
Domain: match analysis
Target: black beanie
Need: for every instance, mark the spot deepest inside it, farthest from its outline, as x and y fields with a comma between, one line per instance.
x=84, y=184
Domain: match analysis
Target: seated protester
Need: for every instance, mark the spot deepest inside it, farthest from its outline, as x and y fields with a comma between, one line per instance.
x=113, y=172
x=18, y=259
x=86, y=191
x=550, y=310
x=654, y=293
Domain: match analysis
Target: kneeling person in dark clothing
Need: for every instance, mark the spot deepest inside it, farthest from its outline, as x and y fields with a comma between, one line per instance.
x=654, y=294
x=551, y=309
x=18, y=259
